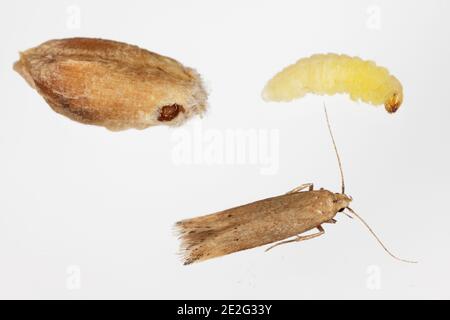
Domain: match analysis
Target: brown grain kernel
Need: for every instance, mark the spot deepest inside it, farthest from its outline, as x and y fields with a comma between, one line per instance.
x=112, y=84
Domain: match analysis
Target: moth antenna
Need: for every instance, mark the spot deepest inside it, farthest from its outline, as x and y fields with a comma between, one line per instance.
x=335, y=150
x=378, y=239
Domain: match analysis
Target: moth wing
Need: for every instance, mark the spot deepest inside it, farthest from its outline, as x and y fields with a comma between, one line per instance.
x=243, y=227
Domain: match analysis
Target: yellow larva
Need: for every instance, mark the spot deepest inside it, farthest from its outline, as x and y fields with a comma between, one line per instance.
x=331, y=74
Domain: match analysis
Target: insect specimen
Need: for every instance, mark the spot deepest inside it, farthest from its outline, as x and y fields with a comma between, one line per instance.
x=266, y=221
x=331, y=74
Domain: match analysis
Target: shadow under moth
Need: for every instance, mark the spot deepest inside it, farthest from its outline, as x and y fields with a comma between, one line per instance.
x=266, y=221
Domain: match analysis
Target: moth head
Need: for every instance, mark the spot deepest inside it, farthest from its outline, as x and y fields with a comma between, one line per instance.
x=341, y=201
x=394, y=102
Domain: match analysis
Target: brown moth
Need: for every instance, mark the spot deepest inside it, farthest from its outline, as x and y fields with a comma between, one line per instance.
x=265, y=221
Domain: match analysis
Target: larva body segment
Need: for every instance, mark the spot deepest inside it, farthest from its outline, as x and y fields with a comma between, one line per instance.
x=328, y=74
x=256, y=224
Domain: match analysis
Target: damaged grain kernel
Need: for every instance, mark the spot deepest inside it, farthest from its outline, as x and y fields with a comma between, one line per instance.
x=112, y=84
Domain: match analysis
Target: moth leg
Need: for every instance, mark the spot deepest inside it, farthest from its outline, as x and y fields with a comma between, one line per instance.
x=332, y=221
x=310, y=187
x=300, y=238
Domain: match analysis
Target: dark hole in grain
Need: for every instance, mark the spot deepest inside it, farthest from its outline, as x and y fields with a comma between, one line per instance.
x=169, y=112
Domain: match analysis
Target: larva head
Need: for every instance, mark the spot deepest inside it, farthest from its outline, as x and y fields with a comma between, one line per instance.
x=341, y=201
x=394, y=102
x=395, y=97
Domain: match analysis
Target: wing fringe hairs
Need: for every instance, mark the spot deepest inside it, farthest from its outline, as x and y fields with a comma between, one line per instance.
x=199, y=236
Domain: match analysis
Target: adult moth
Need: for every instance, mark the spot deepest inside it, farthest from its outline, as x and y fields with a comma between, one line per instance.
x=112, y=84
x=328, y=74
x=266, y=221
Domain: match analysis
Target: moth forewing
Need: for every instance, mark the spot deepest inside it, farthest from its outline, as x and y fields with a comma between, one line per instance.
x=256, y=224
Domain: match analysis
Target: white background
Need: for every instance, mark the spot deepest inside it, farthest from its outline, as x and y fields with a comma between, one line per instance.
x=79, y=200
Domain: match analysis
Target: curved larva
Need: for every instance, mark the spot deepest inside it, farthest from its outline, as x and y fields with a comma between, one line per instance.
x=331, y=74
